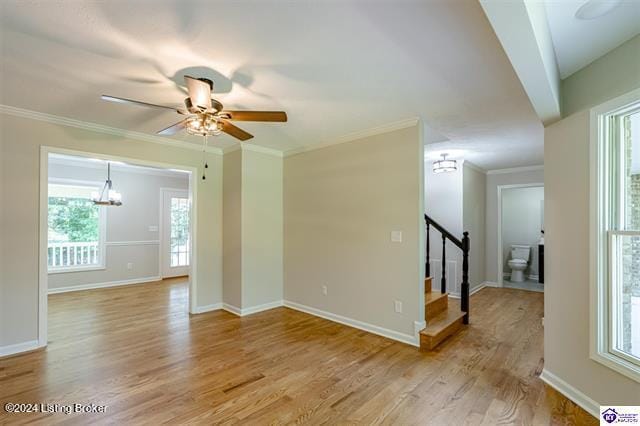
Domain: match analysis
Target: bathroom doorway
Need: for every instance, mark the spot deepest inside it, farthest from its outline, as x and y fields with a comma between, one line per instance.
x=521, y=237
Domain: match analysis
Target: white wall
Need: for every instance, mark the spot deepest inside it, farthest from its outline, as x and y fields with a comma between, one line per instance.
x=521, y=224
x=443, y=202
x=566, y=301
x=474, y=221
x=128, y=224
x=20, y=142
x=340, y=205
x=495, y=179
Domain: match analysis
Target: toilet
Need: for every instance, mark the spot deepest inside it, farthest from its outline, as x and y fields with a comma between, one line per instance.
x=518, y=262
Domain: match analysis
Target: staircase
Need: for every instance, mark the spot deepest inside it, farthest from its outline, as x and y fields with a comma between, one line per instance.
x=444, y=318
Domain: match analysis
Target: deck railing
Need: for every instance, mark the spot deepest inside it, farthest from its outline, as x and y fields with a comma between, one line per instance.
x=65, y=255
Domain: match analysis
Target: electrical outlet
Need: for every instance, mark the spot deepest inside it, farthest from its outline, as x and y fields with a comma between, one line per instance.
x=398, y=307
x=396, y=236
x=129, y=266
x=153, y=228
x=325, y=290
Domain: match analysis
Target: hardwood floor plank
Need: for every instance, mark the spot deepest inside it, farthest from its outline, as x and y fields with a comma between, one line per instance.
x=138, y=351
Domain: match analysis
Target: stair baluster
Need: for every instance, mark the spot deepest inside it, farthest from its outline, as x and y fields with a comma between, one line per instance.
x=465, y=246
x=427, y=266
x=443, y=275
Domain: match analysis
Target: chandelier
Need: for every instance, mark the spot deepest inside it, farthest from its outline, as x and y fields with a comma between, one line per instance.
x=108, y=196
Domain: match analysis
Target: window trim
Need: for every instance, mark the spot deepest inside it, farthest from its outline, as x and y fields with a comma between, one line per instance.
x=601, y=237
x=102, y=231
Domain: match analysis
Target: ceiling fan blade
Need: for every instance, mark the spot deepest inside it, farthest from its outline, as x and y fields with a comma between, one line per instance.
x=235, y=131
x=173, y=129
x=274, y=116
x=199, y=92
x=140, y=103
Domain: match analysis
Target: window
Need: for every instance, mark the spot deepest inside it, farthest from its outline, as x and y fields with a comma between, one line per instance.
x=179, y=241
x=76, y=228
x=617, y=226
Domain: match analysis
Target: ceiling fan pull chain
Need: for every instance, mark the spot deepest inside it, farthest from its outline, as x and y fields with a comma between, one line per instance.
x=204, y=159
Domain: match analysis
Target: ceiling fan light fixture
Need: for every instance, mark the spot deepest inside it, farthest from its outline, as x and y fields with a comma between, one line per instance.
x=443, y=165
x=204, y=125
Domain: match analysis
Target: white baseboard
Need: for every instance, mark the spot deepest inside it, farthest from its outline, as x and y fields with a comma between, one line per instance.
x=588, y=404
x=103, y=285
x=491, y=284
x=241, y=312
x=259, y=308
x=18, y=348
x=471, y=292
x=380, y=331
x=207, y=308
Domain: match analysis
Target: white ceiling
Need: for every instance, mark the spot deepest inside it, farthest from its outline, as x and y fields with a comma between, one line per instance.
x=577, y=42
x=334, y=67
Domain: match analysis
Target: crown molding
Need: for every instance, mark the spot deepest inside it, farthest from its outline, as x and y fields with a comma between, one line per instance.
x=472, y=166
x=515, y=170
x=350, y=137
x=261, y=149
x=99, y=128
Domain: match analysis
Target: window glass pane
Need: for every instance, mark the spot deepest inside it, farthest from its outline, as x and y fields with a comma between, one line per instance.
x=73, y=227
x=179, y=231
x=631, y=146
x=626, y=336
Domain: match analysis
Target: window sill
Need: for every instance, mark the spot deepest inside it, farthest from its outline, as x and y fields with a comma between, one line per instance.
x=618, y=364
x=76, y=269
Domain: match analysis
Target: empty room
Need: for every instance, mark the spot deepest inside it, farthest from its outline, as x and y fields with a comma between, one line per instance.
x=415, y=212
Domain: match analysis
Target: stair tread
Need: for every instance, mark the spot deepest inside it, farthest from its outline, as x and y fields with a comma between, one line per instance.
x=433, y=296
x=443, y=320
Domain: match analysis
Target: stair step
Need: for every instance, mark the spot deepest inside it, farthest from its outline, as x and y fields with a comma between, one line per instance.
x=435, y=303
x=442, y=326
x=427, y=284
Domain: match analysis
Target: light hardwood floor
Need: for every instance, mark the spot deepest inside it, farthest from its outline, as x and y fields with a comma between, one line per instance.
x=136, y=350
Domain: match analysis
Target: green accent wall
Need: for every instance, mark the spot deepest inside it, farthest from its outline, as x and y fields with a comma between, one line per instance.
x=609, y=76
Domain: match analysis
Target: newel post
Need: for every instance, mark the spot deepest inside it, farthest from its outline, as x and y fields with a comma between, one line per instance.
x=464, y=297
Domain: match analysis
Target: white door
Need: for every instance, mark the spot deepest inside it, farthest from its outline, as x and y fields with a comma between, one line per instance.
x=176, y=239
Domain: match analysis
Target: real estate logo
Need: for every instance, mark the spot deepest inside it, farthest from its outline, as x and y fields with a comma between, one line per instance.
x=620, y=414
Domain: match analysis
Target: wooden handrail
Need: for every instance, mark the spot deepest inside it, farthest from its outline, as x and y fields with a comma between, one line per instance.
x=443, y=231
x=464, y=245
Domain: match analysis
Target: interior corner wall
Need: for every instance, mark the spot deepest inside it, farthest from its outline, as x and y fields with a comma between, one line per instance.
x=474, y=222
x=341, y=204
x=492, y=248
x=567, y=281
x=21, y=139
x=232, y=229
x=262, y=229
x=611, y=75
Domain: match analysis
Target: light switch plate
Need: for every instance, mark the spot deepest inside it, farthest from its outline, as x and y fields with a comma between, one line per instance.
x=396, y=236
x=398, y=306
x=153, y=228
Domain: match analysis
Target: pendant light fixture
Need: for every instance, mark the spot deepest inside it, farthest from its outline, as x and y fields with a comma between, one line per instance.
x=443, y=165
x=108, y=196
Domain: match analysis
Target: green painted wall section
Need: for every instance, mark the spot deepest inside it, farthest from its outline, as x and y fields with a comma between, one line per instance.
x=609, y=76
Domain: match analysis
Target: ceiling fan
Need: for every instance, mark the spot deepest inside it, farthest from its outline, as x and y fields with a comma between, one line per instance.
x=206, y=116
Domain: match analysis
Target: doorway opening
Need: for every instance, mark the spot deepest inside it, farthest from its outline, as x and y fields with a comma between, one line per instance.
x=521, y=237
x=113, y=222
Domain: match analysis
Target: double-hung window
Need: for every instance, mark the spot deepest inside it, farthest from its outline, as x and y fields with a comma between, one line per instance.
x=616, y=238
x=76, y=228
